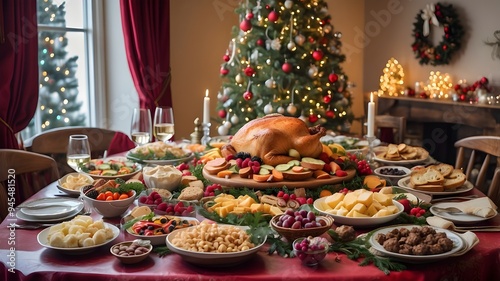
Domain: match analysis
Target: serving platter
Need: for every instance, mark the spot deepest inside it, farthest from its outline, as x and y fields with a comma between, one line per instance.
x=379, y=150
x=456, y=217
x=405, y=184
x=43, y=241
x=210, y=258
x=458, y=244
x=176, y=161
x=236, y=181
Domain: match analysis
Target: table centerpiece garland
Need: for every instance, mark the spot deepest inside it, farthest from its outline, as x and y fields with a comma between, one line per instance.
x=438, y=15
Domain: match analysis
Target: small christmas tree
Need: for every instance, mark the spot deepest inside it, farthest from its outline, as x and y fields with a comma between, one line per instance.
x=284, y=58
x=392, y=79
x=58, y=93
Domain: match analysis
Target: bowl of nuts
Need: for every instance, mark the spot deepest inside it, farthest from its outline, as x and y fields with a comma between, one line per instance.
x=392, y=173
x=130, y=252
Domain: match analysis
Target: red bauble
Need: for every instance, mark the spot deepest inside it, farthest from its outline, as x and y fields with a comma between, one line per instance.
x=462, y=97
x=311, y=40
x=245, y=25
x=260, y=42
x=327, y=99
x=484, y=81
x=317, y=55
x=273, y=16
x=330, y=114
x=445, y=47
x=423, y=95
x=323, y=41
x=224, y=71
x=226, y=58
x=446, y=29
x=438, y=57
x=222, y=113
x=287, y=67
x=411, y=92
x=249, y=71
x=249, y=16
x=248, y=95
x=313, y=118
x=439, y=14
x=268, y=7
x=333, y=77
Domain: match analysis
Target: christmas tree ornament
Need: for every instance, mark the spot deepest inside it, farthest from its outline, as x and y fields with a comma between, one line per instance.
x=292, y=109
x=255, y=55
x=228, y=124
x=224, y=71
x=249, y=15
x=222, y=113
x=260, y=42
x=300, y=39
x=270, y=83
x=235, y=119
x=239, y=78
x=268, y=109
x=288, y=4
x=245, y=25
x=273, y=16
x=223, y=131
x=311, y=40
x=327, y=99
x=249, y=71
x=227, y=91
x=330, y=114
x=280, y=110
x=226, y=57
x=248, y=95
x=317, y=55
x=313, y=118
x=287, y=67
x=268, y=61
x=313, y=71
x=291, y=46
x=327, y=28
x=333, y=77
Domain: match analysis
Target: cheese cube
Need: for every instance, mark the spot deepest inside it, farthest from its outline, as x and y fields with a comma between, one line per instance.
x=360, y=208
x=383, y=199
x=371, y=210
x=342, y=211
x=275, y=211
x=382, y=213
x=393, y=209
x=366, y=198
x=350, y=199
x=334, y=199
x=340, y=205
x=359, y=215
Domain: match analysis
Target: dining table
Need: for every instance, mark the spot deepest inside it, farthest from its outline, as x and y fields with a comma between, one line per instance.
x=23, y=258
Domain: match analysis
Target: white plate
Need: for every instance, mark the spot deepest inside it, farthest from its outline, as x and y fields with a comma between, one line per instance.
x=457, y=218
x=405, y=184
x=50, y=208
x=138, y=168
x=362, y=222
x=212, y=259
x=380, y=149
x=42, y=240
x=73, y=192
x=458, y=244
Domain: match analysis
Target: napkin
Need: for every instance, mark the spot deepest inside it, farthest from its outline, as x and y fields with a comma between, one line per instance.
x=470, y=240
x=120, y=143
x=481, y=207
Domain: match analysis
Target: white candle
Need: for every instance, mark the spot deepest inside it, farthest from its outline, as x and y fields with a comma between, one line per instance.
x=206, y=108
x=371, y=117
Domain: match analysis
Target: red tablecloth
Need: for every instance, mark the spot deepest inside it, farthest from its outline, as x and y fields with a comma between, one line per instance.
x=30, y=261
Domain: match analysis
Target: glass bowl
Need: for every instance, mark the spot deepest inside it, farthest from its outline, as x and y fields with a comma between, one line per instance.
x=310, y=250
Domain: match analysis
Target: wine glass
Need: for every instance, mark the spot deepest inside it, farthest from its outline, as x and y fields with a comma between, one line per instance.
x=140, y=129
x=164, y=123
x=78, y=151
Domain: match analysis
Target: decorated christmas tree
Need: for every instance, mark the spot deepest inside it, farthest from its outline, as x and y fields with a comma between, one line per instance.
x=284, y=58
x=58, y=92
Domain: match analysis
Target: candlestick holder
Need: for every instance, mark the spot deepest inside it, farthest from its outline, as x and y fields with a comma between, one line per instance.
x=206, y=134
x=370, y=155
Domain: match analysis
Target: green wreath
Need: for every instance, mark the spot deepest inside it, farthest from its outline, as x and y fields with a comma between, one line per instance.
x=437, y=15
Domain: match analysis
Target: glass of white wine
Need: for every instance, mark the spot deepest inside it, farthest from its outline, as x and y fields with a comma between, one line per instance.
x=140, y=129
x=78, y=151
x=164, y=123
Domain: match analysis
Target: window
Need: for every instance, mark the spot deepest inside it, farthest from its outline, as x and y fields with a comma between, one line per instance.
x=65, y=56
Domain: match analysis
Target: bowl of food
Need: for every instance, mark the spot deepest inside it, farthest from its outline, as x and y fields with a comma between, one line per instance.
x=130, y=252
x=294, y=224
x=72, y=183
x=162, y=177
x=108, y=203
x=110, y=168
x=392, y=173
x=310, y=250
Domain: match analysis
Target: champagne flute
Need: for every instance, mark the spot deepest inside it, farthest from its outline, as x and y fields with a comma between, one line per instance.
x=140, y=129
x=164, y=123
x=78, y=151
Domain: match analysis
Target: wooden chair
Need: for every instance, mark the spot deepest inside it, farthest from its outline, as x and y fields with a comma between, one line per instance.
x=22, y=174
x=391, y=129
x=488, y=177
x=54, y=143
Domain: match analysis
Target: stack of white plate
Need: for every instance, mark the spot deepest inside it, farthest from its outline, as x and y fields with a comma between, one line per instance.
x=49, y=209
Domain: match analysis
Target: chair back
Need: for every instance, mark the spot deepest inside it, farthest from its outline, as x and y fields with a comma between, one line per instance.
x=22, y=174
x=487, y=149
x=54, y=143
x=387, y=124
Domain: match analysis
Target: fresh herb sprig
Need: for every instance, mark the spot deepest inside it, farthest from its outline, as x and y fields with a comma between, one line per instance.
x=162, y=251
x=124, y=187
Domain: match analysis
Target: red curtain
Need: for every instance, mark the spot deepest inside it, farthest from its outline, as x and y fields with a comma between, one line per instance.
x=146, y=29
x=18, y=68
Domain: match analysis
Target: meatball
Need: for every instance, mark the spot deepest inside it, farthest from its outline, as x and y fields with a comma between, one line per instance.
x=435, y=249
x=381, y=238
x=430, y=239
x=446, y=244
x=420, y=249
x=346, y=233
x=406, y=249
x=391, y=245
x=413, y=239
x=427, y=230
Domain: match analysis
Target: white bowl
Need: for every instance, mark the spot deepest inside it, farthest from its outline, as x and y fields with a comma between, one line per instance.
x=162, y=177
x=360, y=222
x=392, y=178
x=76, y=182
x=109, y=209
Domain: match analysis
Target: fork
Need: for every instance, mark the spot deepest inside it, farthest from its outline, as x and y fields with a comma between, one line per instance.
x=30, y=226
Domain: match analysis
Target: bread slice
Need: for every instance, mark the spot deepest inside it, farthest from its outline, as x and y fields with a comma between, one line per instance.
x=444, y=169
x=191, y=193
x=454, y=180
x=429, y=187
x=425, y=177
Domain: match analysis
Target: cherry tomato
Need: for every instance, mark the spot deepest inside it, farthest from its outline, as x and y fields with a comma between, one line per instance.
x=123, y=196
x=130, y=193
x=116, y=195
x=109, y=198
x=101, y=197
x=108, y=193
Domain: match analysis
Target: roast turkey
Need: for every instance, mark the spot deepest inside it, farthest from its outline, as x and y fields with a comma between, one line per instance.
x=273, y=136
